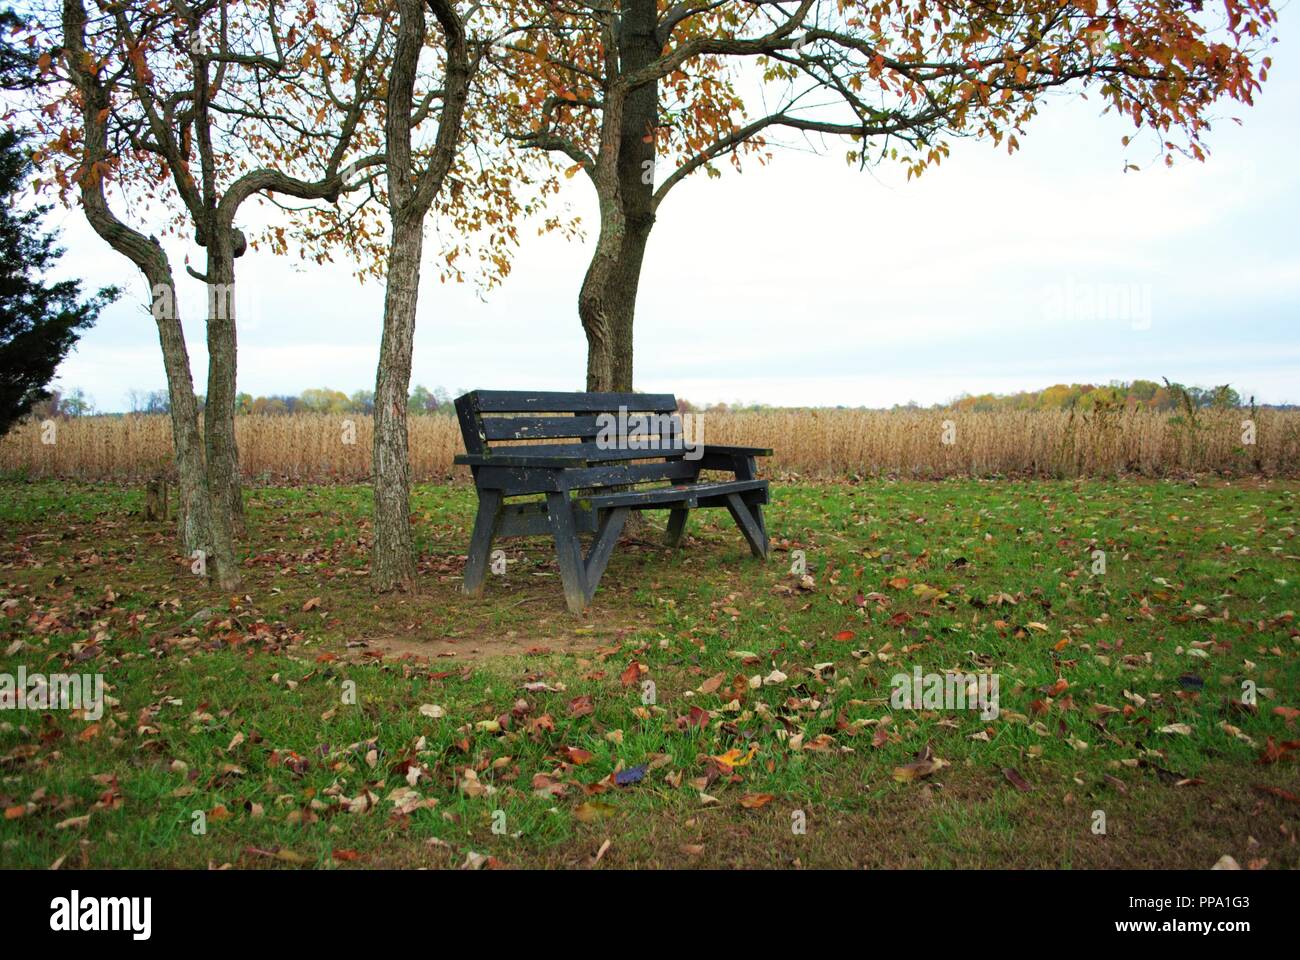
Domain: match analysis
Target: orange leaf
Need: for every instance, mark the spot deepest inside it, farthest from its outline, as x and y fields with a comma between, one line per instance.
x=577, y=755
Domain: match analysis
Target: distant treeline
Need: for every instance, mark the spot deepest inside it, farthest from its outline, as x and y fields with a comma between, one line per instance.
x=76, y=403
x=1136, y=395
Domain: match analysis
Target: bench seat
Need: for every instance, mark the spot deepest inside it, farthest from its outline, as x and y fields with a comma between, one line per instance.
x=689, y=495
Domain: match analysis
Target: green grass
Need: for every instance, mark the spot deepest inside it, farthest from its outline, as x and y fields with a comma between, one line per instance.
x=241, y=707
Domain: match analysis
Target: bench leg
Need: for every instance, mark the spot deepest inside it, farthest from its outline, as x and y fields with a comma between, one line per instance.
x=480, y=542
x=757, y=511
x=677, y=526
x=611, y=525
x=751, y=526
x=568, y=550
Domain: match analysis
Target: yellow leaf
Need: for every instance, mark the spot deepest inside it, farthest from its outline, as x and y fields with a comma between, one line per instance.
x=737, y=758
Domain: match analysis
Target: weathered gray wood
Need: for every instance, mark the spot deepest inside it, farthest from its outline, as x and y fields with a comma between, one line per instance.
x=590, y=451
x=568, y=551
x=498, y=427
x=751, y=497
x=514, y=401
x=480, y=541
x=510, y=459
x=530, y=519
x=611, y=525
x=676, y=526
x=744, y=519
x=623, y=474
x=471, y=423
x=507, y=427
x=687, y=495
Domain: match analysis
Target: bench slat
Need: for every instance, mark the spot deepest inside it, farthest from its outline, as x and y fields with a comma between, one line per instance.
x=546, y=428
x=690, y=495
x=514, y=401
x=587, y=451
x=627, y=473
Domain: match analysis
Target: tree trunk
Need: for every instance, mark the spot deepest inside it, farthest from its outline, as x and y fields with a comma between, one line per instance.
x=194, y=522
x=193, y=515
x=218, y=411
x=392, y=560
x=607, y=306
x=607, y=301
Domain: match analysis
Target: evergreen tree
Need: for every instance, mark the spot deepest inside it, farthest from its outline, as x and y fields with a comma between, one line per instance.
x=39, y=321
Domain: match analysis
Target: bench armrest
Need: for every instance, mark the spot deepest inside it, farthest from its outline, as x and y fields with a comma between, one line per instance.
x=737, y=451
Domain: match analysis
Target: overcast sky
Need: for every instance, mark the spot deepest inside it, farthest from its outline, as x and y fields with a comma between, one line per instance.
x=809, y=282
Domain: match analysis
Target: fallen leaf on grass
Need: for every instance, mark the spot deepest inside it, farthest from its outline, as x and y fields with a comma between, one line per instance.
x=1273, y=752
x=737, y=758
x=625, y=778
x=755, y=801
x=284, y=856
x=1275, y=792
x=917, y=769
x=927, y=593
x=592, y=810
x=926, y=764
x=546, y=786
x=712, y=684
x=1016, y=780
x=631, y=674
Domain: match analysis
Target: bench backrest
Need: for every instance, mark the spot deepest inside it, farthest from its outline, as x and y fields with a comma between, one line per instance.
x=568, y=423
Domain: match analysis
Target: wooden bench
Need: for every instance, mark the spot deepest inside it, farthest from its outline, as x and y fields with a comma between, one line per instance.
x=590, y=472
